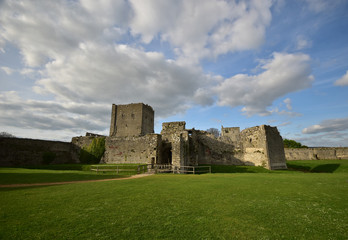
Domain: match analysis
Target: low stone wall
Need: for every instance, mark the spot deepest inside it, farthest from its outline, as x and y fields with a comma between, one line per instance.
x=316, y=153
x=142, y=149
x=216, y=151
x=24, y=152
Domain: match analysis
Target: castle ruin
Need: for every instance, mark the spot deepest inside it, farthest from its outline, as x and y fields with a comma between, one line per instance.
x=132, y=140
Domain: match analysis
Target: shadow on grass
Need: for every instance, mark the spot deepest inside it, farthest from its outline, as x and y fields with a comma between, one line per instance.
x=327, y=168
x=29, y=178
x=237, y=169
x=323, y=168
x=76, y=166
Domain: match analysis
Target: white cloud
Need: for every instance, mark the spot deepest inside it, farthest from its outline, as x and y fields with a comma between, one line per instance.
x=196, y=29
x=47, y=30
x=7, y=70
x=317, y=5
x=203, y=28
x=329, y=125
x=51, y=115
x=326, y=139
x=284, y=124
x=343, y=81
x=287, y=101
x=303, y=43
x=322, y=5
x=122, y=74
x=76, y=52
x=72, y=44
x=283, y=74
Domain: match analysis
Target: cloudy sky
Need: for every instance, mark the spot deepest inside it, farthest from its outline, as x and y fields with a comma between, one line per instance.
x=208, y=62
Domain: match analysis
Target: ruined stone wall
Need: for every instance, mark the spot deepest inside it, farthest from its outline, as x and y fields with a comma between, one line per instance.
x=173, y=127
x=254, y=145
x=142, y=149
x=113, y=120
x=25, y=152
x=231, y=134
x=316, y=153
x=206, y=149
x=342, y=153
x=79, y=143
x=148, y=120
x=275, y=148
x=257, y=146
x=135, y=119
x=263, y=146
x=129, y=120
x=83, y=141
x=175, y=141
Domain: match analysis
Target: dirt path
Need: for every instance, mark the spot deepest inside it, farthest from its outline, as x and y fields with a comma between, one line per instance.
x=60, y=183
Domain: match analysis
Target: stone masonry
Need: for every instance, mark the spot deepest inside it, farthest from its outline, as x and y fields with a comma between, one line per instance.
x=131, y=137
x=132, y=140
x=131, y=120
x=26, y=152
x=317, y=153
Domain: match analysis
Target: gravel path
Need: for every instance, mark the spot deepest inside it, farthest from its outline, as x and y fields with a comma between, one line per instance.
x=60, y=183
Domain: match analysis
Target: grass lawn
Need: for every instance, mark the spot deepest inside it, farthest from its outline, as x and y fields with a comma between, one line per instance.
x=329, y=166
x=261, y=205
x=57, y=173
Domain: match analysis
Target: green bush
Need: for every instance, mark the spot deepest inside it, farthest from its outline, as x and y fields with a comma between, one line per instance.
x=288, y=143
x=93, y=153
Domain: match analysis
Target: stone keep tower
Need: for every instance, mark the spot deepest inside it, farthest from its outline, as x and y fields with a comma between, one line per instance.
x=136, y=119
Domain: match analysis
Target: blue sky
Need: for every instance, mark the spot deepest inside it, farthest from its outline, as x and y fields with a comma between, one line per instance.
x=209, y=63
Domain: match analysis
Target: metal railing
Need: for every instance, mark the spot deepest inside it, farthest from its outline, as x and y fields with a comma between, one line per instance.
x=137, y=169
x=167, y=168
x=156, y=168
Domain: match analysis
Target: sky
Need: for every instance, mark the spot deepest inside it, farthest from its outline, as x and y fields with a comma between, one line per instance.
x=211, y=63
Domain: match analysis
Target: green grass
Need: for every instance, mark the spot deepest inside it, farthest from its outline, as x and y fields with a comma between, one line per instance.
x=328, y=166
x=82, y=167
x=22, y=175
x=315, y=166
x=283, y=205
x=238, y=169
x=61, y=173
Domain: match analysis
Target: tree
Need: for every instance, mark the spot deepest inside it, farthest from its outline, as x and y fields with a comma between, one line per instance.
x=214, y=131
x=6, y=135
x=288, y=143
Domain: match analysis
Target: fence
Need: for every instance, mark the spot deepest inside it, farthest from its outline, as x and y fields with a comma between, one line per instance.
x=165, y=168
x=157, y=168
x=137, y=169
